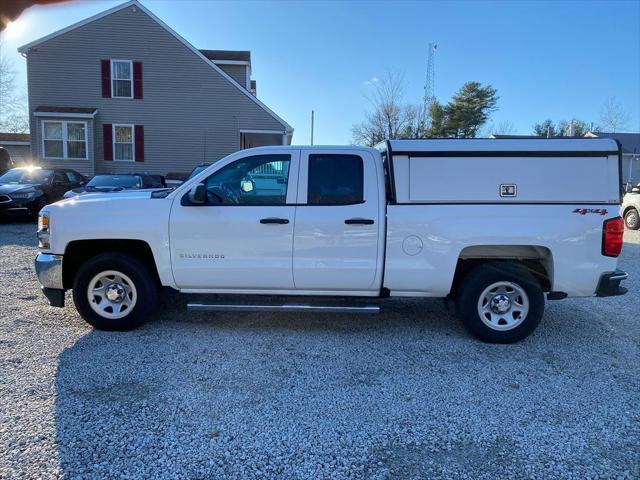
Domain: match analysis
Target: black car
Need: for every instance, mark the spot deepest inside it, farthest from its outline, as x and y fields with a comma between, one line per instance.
x=104, y=183
x=25, y=190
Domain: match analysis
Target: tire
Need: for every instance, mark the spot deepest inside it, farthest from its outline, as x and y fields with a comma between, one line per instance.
x=484, y=290
x=632, y=219
x=132, y=290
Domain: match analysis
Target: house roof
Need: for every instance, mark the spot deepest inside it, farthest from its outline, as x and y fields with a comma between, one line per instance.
x=630, y=141
x=227, y=55
x=89, y=110
x=134, y=3
x=14, y=137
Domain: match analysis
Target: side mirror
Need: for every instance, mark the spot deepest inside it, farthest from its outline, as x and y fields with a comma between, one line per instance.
x=198, y=194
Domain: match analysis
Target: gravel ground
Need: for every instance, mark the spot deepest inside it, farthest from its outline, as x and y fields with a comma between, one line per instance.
x=406, y=394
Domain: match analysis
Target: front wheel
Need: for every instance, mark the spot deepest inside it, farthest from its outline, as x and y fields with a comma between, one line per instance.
x=500, y=302
x=632, y=219
x=115, y=291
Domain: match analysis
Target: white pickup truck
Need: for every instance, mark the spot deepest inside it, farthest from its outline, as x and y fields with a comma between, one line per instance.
x=495, y=225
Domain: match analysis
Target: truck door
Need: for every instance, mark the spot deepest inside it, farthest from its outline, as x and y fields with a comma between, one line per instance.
x=241, y=238
x=338, y=224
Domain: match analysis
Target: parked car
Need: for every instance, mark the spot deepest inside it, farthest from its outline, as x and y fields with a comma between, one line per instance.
x=353, y=222
x=630, y=209
x=115, y=183
x=25, y=190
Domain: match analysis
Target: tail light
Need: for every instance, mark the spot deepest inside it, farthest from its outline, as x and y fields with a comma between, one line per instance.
x=612, y=232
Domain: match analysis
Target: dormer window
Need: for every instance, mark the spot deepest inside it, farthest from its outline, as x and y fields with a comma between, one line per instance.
x=121, y=79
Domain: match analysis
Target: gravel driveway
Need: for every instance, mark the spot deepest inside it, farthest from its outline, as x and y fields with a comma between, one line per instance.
x=405, y=394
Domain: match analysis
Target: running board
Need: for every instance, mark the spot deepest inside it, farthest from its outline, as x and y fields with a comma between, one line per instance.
x=286, y=307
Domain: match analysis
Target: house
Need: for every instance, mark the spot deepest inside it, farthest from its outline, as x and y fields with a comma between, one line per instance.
x=18, y=145
x=122, y=92
x=630, y=154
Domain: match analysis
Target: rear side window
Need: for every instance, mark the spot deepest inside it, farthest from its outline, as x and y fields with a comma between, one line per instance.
x=335, y=180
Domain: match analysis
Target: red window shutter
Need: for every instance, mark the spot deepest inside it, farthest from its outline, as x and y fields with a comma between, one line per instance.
x=107, y=135
x=106, y=78
x=139, y=139
x=137, y=79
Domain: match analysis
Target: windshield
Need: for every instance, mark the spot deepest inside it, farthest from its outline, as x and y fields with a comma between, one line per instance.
x=25, y=176
x=125, y=181
x=197, y=170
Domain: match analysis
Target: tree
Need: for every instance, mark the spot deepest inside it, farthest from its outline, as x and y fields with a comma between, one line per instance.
x=505, y=127
x=564, y=128
x=465, y=114
x=389, y=116
x=545, y=129
x=13, y=110
x=613, y=116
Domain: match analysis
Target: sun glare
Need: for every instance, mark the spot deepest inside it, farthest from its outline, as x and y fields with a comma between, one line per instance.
x=14, y=29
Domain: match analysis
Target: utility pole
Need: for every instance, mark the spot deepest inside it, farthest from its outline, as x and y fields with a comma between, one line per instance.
x=312, y=115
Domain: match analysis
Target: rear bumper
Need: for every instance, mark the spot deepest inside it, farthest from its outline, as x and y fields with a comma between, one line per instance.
x=609, y=284
x=49, y=272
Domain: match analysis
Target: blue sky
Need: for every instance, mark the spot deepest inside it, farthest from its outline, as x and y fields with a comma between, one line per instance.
x=547, y=59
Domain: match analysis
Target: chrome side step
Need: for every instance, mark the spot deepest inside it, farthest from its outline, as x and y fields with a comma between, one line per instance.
x=285, y=307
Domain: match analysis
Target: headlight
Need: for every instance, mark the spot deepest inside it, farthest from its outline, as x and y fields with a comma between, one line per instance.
x=43, y=230
x=22, y=195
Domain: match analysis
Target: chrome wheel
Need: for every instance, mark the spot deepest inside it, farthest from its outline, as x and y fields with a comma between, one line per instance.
x=112, y=294
x=503, y=306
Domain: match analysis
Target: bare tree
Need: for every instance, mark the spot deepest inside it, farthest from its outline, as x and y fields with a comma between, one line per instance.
x=505, y=127
x=13, y=109
x=614, y=117
x=389, y=116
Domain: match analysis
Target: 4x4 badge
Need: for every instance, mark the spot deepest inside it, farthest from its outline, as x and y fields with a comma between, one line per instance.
x=596, y=211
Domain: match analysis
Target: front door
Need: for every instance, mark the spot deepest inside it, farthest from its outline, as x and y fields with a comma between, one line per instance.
x=242, y=237
x=339, y=222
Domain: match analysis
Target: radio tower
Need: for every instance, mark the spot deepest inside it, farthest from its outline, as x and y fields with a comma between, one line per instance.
x=429, y=84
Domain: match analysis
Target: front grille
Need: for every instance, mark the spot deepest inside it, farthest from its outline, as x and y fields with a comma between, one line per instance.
x=4, y=198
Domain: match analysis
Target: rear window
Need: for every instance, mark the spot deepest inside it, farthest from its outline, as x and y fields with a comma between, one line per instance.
x=335, y=180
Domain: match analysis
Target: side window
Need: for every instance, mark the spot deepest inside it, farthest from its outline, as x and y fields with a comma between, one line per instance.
x=60, y=177
x=335, y=179
x=71, y=176
x=258, y=180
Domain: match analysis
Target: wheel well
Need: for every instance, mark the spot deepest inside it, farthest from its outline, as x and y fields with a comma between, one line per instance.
x=537, y=260
x=79, y=251
x=630, y=207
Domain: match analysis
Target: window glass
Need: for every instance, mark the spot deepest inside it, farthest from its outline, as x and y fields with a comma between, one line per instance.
x=76, y=140
x=127, y=181
x=53, y=147
x=72, y=176
x=258, y=180
x=121, y=76
x=123, y=142
x=60, y=177
x=335, y=180
x=25, y=176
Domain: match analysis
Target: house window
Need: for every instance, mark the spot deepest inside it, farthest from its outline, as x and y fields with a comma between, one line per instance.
x=122, y=78
x=123, y=138
x=64, y=140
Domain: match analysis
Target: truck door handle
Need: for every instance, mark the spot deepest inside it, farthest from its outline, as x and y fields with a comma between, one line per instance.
x=274, y=220
x=359, y=221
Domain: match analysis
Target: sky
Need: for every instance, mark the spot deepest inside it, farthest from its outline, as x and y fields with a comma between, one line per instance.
x=555, y=60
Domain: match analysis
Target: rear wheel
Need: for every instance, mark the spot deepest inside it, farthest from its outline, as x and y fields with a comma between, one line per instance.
x=115, y=291
x=632, y=219
x=500, y=302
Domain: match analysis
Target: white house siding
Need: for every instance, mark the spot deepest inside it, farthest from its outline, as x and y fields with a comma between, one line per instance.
x=184, y=97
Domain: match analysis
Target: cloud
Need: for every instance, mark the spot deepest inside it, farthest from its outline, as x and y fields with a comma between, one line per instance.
x=371, y=81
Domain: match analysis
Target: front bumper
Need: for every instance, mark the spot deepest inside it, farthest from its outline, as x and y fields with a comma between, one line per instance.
x=609, y=284
x=18, y=208
x=49, y=272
